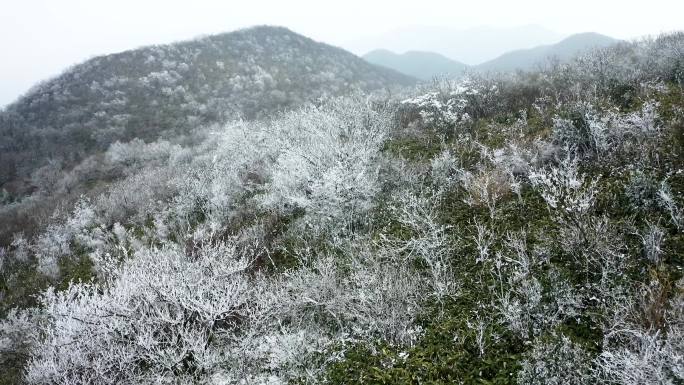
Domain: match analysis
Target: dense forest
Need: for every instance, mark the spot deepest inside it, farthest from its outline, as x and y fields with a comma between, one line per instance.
x=517, y=228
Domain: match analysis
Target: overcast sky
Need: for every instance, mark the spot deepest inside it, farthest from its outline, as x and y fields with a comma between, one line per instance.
x=41, y=38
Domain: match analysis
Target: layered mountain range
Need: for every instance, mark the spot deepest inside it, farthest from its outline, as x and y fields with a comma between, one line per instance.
x=426, y=65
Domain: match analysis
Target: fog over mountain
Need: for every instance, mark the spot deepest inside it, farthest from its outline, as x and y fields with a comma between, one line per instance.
x=526, y=59
x=41, y=38
x=421, y=65
x=470, y=46
x=428, y=65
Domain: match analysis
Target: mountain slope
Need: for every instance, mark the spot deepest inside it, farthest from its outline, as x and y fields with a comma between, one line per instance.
x=419, y=64
x=526, y=59
x=169, y=90
x=503, y=230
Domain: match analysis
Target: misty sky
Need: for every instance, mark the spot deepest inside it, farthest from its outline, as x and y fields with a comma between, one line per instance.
x=41, y=38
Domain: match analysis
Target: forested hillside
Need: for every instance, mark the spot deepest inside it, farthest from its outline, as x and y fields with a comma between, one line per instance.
x=520, y=229
x=165, y=92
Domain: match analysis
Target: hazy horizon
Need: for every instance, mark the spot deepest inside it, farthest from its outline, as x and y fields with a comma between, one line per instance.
x=471, y=46
x=42, y=38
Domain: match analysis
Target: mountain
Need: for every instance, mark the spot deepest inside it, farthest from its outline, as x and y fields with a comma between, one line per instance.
x=470, y=46
x=170, y=90
x=425, y=65
x=350, y=241
x=419, y=64
x=526, y=59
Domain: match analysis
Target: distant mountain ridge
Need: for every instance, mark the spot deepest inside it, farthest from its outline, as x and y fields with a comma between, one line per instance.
x=170, y=90
x=526, y=59
x=470, y=46
x=421, y=65
x=426, y=65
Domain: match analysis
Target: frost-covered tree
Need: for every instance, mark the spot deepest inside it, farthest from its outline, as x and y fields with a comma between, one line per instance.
x=328, y=162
